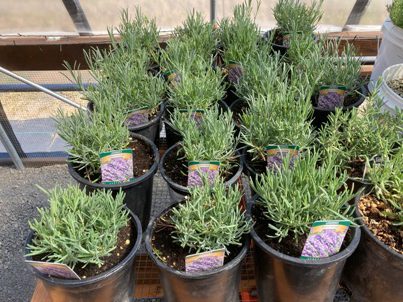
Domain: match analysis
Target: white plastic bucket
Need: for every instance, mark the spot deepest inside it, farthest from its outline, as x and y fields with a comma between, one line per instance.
x=390, y=52
x=392, y=100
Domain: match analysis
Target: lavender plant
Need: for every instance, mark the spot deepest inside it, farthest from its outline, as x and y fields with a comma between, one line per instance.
x=210, y=219
x=78, y=229
x=90, y=135
x=360, y=136
x=240, y=35
x=396, y=12
x=210, y=139
x=295, y=198
x=296, y=16
x=197, y=91
x=278, y=117
x=387, y=180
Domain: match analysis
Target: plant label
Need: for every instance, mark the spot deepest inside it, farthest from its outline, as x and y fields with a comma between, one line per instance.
x=117, y=166
x=54, y=269
x=275, y=155
x=196, y=170
x=325, y=239
x=138, y=117
x=331, y=96
x=172, y=77
x=195, y=115
x=204, y=261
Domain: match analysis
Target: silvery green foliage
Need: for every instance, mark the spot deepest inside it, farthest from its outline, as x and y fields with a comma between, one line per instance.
x=78, y=229
x=386, y=176
x=294, y=15
x=396, y=12
x=88, y=135
x=211, y=218
x=240, y=35
x=198, y=91
x=295, y=198
x=361, y=135
x=278, y=117
x=211, y=139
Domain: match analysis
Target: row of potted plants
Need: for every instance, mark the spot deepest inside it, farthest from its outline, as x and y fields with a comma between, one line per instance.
x=301, y=175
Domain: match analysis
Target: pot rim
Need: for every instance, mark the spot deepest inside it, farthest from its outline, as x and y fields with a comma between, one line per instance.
x=364, y=92
x=94, y=279
x=153, y=121
x=369, y=232
x=151, y=171
x=184, y=189
x=193, y=276
x=340, y=256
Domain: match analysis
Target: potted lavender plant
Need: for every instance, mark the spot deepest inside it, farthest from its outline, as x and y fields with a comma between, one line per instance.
x=372, y=271
x=92, y=136
x=289, y=264
x=83, y=246
x=208, y=144
x=173, y=238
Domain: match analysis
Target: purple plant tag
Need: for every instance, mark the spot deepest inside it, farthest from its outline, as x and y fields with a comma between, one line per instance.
x=54, y=269
x=204, y=261
x=331, y=97
x=325, y=239
x=137, y=118
x=196, y=169
x=234, y=73
x=117, y=166
x=276, y=154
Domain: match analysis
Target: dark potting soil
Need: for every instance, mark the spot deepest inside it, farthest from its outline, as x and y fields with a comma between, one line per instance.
x=176, y=167
x=238, y=109
x=356, y=168
x=258, y=165
x=125, y=242
x=278, y=38
x=170, y=252
x=288, y=246
x=373, y=212
x=397, y=86
x=143, y=159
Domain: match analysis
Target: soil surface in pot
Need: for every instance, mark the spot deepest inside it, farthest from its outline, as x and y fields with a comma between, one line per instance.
x=170, y=252
x=397, y=86
x=125, y=242
x=351, y=98
x=356, y=168
x=237, y=110
x=143, y=159
x=278, y=38
x=176, y=167
x=371, y=210
x=288, y=246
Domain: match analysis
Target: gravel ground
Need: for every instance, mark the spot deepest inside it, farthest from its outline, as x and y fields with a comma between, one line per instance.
x=19, y=199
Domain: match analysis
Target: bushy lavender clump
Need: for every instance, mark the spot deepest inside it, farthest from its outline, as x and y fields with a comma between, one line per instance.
x=323, y=244
x=235, y=74
x=204, y=264
x=137, y=118
x=118, y=169
x=195, y=177
x=330, y=101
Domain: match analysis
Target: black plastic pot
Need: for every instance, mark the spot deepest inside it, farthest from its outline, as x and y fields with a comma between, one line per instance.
x=374, y=273
x=114, y=285
x=219, y=285
x=172, y=135
x=138, y=192
x=238, y=106
x=150, y=130
x=280, y=277
x=320, y=116
x=280, y=48
x=178, y=192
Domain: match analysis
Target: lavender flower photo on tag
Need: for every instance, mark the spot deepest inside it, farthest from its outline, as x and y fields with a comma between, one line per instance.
x=197, y=168
x=117, y=166
x=138, y=117
x=54, y=269
x=331, y=97
x=275, y=155
x=325, y=239
x=204, y=261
